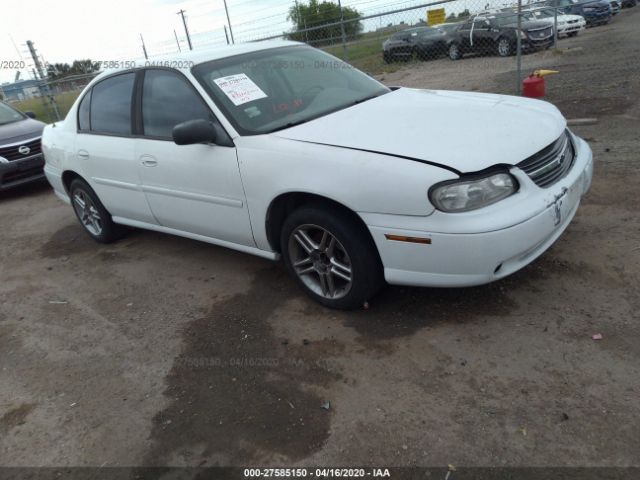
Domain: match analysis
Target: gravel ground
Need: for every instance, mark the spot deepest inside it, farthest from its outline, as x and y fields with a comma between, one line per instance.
x=164, y=351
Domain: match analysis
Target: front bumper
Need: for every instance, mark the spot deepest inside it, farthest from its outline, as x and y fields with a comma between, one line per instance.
x=571, y=27
x=458, y=257
x=597, y=18
x=19, y=172
x=540, y=44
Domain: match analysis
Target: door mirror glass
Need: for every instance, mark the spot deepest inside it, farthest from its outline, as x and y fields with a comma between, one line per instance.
x=194, y=131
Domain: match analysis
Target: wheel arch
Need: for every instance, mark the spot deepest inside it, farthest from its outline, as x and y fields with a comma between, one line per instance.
x=69, y=176
x=285, y=203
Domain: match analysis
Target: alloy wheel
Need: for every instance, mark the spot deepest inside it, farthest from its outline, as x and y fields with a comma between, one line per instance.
x=87, y=212
x=504, y=47
x=320, y=261
x=454, y=52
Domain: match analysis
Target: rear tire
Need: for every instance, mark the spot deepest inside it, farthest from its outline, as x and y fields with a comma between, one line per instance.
x=331, y=256
x=94, y=218
x=505, y=49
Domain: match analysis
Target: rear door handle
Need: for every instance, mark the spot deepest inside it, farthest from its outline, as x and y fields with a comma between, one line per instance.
x=83, y=154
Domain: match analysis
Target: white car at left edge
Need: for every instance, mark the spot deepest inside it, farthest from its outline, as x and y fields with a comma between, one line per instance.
x=281, y=150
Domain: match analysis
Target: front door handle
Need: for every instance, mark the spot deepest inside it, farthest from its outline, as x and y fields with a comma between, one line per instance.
x=83, y=155
x=149, y=162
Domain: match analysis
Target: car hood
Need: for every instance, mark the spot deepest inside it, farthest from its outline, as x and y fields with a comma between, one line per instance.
x=568, y=18
x=18, y=131
x=462, y=131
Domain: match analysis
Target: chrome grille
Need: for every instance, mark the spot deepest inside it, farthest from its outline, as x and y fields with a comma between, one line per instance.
x=12, y=152
x=550, y=164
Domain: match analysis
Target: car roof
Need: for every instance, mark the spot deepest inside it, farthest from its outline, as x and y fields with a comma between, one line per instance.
x=204, y=55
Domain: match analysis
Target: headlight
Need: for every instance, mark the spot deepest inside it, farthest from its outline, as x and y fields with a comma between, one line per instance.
x=469, y=194
x=523, y=35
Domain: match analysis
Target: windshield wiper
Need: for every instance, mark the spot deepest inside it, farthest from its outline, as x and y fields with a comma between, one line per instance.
x=289, y=125
x=366, y=99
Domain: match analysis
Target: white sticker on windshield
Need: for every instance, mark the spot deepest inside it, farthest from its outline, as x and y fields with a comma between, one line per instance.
x=240, y=89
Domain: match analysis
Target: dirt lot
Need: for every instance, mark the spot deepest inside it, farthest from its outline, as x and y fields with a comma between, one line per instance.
x=164, y=351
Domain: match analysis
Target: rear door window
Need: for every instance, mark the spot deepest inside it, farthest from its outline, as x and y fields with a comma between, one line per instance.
x=111, y=105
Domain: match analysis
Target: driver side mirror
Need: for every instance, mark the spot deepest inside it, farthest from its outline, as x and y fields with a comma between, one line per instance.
x=194, y=131
x=30, y=114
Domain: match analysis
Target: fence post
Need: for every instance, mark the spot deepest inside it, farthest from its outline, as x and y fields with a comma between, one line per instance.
x=519, y=50
x=47, y=96
x=345, y=54
x=555, y=24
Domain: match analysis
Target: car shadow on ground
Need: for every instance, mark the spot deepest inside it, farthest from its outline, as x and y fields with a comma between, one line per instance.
x=34, y=189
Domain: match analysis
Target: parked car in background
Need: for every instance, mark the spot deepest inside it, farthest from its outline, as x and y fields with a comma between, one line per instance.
x=568, y=25
x=21, y=159
x=628, y=3
x=597, y=12
x=615, y=6
x=432, y=42
x=401, y=45
x=498, y=33
x=238, y=150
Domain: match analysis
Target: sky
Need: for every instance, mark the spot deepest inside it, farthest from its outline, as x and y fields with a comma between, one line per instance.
x=106, y=30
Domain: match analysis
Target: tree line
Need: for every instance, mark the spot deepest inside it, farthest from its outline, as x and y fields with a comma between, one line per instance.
x=78, y=67
x=315, y=15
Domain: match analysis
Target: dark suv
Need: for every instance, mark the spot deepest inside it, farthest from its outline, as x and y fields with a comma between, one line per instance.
x=21, y=159
x=497, y=33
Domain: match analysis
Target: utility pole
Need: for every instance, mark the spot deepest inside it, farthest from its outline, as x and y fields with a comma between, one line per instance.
x=39, y=72
x=226, y=9
x=144, y=49
x=36, y=60
x=177, y=41
x=186, y=30
x=344, y=34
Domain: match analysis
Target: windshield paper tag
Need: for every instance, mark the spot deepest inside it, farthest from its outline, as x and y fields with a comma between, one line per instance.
x=240, y=89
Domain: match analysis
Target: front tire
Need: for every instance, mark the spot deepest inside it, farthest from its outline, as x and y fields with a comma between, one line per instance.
x=331, y=256
x=94, y=218
x=454, y=52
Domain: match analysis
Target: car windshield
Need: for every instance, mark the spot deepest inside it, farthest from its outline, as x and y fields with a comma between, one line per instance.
x=9, y=115
x=430, y=32
x=447, y=28
x=546, y=13
x=270, y=90
x=505, y=20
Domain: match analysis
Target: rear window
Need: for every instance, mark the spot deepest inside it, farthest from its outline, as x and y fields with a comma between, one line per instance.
x=83, y=113
x=111, y=105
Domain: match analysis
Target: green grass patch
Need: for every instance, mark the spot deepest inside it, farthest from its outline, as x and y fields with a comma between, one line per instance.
x=42, y=108
x=366, y=54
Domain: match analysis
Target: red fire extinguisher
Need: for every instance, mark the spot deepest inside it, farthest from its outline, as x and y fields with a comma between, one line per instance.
x=533, y=85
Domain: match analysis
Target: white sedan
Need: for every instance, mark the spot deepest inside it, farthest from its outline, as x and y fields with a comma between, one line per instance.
x=281, y=150
x=568, y=25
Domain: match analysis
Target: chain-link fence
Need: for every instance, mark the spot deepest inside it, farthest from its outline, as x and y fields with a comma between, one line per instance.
x=48, y=100
x=390, y=38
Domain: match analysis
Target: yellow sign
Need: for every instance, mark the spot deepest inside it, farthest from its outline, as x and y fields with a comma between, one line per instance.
x=435, y=17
